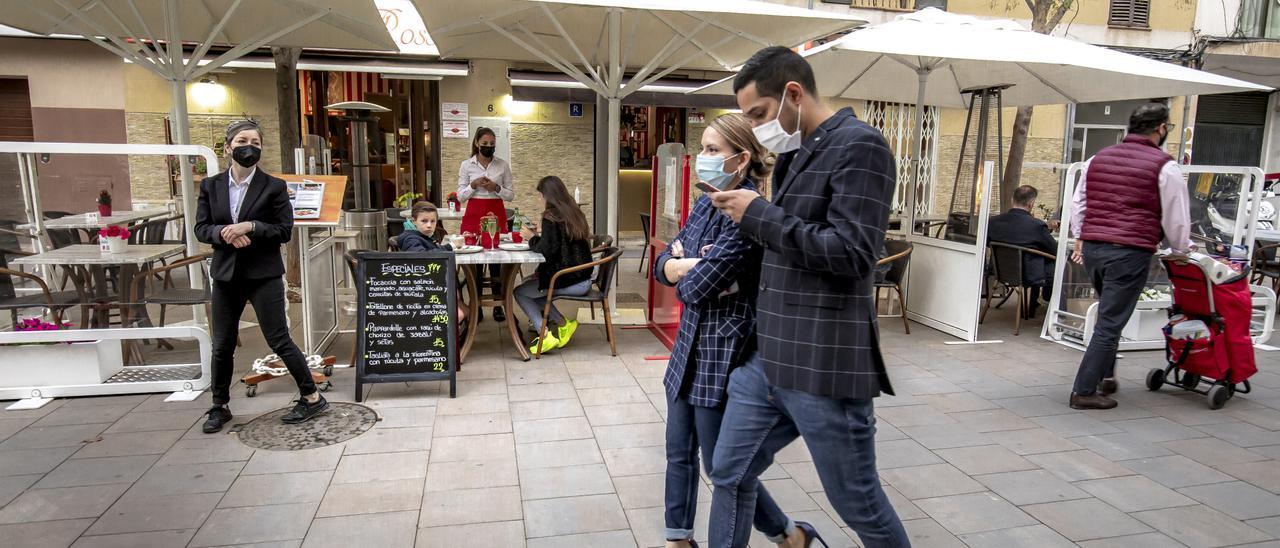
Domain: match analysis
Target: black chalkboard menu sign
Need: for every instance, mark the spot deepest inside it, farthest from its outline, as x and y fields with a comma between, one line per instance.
x=407, y=319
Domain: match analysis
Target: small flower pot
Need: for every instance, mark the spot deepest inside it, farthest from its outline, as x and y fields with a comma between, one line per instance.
x=104, y=210
x=108, y=244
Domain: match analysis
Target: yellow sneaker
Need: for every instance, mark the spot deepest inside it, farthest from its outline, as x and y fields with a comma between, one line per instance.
x=548, y=343
x=566, y=331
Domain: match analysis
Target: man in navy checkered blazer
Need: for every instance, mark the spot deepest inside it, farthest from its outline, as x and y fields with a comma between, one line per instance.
x=818, y=363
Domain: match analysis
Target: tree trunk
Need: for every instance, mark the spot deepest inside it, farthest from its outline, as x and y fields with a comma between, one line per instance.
x=1017, y=151
x=290, y=126
x=1045, y=16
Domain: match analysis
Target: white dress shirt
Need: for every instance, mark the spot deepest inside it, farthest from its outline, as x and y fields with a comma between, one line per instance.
x=236, y=191
x=499, y=171
x=1175, y=207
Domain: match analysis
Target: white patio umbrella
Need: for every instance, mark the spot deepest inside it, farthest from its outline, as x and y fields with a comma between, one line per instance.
x=886, y=62
x=597, y=41
x=134, y=29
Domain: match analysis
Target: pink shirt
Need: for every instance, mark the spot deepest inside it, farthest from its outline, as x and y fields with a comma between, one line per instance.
x=1175, y=207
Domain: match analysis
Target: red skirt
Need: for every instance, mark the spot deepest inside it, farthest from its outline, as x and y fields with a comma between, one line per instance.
x=479, y=207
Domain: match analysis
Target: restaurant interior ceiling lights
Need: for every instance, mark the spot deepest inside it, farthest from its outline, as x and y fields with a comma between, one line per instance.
x=557, y=80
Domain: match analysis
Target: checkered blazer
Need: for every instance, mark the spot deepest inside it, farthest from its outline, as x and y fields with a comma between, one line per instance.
x=715, y=329
x=816, y=316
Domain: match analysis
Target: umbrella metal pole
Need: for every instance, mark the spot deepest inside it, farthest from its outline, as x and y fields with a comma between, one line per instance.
x=183, y=133
x=917, y=149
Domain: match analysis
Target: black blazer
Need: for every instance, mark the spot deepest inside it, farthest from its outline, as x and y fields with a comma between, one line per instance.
x=1019, y=227
x=266, y=204
x=816, y=316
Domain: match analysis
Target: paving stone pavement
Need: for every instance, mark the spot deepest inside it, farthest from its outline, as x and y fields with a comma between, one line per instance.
x=978, y=449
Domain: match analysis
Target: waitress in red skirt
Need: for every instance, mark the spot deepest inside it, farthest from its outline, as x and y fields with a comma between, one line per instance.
x=484, y=186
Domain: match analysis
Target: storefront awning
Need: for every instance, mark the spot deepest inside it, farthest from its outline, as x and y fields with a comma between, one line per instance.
x=1252, y=60
x=664, y=92
x=400, y=68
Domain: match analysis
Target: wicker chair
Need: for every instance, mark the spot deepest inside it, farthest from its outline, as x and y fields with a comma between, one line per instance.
x=899, y=256
x=599, y=293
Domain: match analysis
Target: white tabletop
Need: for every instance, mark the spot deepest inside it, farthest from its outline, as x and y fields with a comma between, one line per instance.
x=498, y=256
x=91, y=254
x=82, y=220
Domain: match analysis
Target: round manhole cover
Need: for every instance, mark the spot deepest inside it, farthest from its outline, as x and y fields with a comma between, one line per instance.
x=340, y=423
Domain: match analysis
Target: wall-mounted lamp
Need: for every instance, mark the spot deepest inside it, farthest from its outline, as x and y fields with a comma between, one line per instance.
x=208, y=92
x=517, y=108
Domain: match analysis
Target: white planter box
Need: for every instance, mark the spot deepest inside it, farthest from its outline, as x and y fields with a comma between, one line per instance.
x=1147, y=322
x=59, y=364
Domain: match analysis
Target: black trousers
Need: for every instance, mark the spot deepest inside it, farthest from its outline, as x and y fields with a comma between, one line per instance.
x=267, y=296
x=1118, y=274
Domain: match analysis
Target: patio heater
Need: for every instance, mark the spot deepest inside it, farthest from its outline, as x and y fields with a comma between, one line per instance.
x=977, y=148
x=370, y=222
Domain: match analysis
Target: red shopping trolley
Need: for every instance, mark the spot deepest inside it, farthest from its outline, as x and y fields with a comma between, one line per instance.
x=1207, y=340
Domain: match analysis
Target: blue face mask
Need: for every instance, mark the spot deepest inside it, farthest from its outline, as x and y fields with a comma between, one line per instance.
x=408, y=225
x=711, y=170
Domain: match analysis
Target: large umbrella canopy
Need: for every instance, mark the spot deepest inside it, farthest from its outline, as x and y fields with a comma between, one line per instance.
x=151, y=33
x=884, y=62
x=931, y=57
x=615, y=47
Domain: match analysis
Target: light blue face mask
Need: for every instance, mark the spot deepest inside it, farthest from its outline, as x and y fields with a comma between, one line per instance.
x=711, y=170
x=408, y=225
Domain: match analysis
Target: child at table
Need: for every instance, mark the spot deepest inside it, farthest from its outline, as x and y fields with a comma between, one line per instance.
x=425, y=219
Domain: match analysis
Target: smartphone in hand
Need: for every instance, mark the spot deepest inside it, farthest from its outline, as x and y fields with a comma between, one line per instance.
x=707, y=188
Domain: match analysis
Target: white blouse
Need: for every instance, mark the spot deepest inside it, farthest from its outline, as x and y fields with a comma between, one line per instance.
x=499, y=171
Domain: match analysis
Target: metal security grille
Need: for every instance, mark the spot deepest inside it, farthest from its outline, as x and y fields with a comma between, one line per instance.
x=895, y=121
x=1129, y=13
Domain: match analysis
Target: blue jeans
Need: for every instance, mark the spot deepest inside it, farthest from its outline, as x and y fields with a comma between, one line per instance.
x=761, y=419
x=531, y=300
x=688, y=428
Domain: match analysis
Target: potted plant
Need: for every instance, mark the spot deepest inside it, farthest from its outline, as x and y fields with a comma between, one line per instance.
x=56, y=364
x=113, y=239
x=454, y=205
x=405, y=200
x=104, y=204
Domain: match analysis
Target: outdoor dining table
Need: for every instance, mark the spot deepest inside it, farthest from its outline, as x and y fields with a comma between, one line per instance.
x=87, y=221
x=91, y=256
x=510, y=261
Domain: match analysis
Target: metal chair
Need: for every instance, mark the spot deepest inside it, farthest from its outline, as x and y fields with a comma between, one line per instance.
x=169, y=294
x=1266, y=265
x=644, y=223
x=1006, y=262
x=55, y=301
x=899, y=257
x=602, y=282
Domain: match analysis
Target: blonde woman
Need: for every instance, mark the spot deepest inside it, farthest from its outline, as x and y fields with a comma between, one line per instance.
x=715, y=272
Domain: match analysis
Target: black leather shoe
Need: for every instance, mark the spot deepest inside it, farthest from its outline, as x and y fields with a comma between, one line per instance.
x=1108, y=386
x=303, y=411
x=219, y=415
x=499, y=315
x=810, y=534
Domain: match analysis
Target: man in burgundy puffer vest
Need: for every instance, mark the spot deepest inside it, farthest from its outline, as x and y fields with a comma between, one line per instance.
x=1131, y=198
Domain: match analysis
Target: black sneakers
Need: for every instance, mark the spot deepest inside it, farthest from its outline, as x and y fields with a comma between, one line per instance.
x=303, y=411
x=219, y=415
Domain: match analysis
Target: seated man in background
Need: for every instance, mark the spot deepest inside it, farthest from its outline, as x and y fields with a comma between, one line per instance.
x=1019, y=227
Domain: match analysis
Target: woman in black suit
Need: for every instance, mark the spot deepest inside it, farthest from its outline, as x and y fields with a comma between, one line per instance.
x=244, y=213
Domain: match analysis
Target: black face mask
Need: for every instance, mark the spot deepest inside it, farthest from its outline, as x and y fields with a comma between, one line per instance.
x=1163, y=138
x=487, y=152
x=246, y=155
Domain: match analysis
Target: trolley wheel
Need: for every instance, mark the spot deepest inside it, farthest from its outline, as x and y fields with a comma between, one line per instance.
x=1155, y=379
x=1218, y=396
x=328, y=370
x=251, y=390
x=326, y=386
x=1190, y=381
